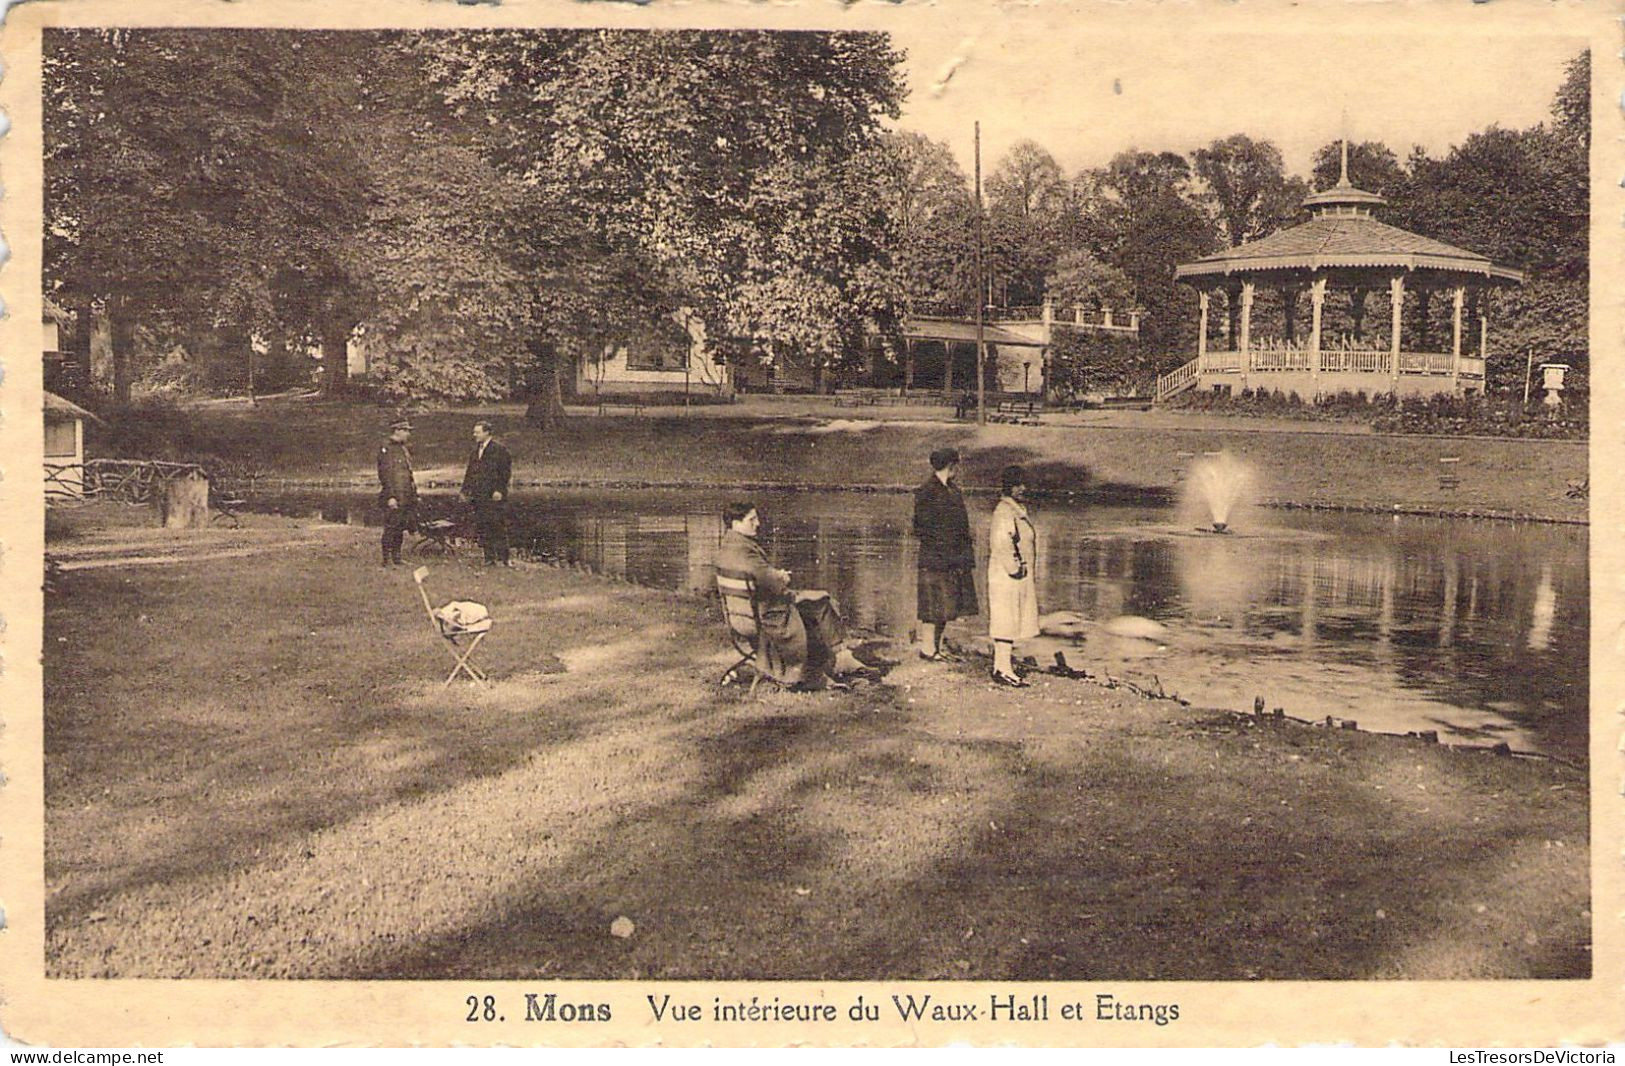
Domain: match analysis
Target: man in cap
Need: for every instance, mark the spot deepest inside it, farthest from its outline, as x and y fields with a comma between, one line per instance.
x=398, y=492
x=485, y=485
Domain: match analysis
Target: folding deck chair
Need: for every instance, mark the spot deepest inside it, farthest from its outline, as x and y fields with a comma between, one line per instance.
x=744, y=618
x=455, y=623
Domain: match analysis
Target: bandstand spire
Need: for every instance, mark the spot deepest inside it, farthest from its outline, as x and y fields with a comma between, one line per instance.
x=1343, y=198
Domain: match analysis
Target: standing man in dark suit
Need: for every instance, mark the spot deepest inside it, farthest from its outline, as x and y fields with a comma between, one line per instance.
x=485, y=485
x=398, y=492
x=947, y=562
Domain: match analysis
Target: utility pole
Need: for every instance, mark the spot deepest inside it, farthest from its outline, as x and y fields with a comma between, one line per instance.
x=981, y=345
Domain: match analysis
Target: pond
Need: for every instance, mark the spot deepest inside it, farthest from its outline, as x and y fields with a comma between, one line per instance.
x=1476, y=629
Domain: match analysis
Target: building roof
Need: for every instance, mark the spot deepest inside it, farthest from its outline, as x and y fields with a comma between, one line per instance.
x=929, y=328
x=56, y=405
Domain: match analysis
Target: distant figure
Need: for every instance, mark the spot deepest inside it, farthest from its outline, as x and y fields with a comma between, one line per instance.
x=399, y=491
x=962, y=409
x=1012, y=591
x=803, y=637
x=485, y=485
x=946, y=586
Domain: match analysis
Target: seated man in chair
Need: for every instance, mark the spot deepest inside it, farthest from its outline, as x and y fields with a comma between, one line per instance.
x=803, y=637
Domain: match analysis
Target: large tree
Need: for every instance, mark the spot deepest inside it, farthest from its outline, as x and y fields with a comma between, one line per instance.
x=1145, y=206
x=1247, y=186
x=1030, y=213
x=180, y=214
x=717, y=159
x=934, y=215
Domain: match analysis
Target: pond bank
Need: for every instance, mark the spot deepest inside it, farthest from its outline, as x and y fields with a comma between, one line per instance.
x=1097, y=494
x=335, y=444
x=383, y=825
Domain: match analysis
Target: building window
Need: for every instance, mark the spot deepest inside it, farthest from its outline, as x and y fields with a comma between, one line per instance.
x=59, y=438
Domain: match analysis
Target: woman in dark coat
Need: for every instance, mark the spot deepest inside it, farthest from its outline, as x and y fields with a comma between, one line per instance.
x=947, y=562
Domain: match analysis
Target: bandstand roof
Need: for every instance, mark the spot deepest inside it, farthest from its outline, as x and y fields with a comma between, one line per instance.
x=1345, y=241
x=1343, y=234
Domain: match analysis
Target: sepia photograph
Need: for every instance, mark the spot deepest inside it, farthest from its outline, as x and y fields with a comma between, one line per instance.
x=895, y=502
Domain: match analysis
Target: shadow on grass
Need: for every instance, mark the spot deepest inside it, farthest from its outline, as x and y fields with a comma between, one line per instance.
x=1118, y=867
x=264, y=714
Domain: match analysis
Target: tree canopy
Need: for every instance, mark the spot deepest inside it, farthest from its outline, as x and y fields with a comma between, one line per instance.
x=730, y=174
x=492, y=206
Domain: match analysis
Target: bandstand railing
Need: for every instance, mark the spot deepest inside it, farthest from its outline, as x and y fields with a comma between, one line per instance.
x=1357, y=361
x=1425, y=362
x=1271, y=358
x=1339, y=360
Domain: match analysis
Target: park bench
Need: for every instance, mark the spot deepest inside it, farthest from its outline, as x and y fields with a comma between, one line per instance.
x=1449, y=472
x=1125, y=403
x=634, y=406
x=1016, y=412
x=856, y=399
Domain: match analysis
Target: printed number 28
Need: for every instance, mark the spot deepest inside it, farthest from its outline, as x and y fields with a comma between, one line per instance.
x=482, y=1009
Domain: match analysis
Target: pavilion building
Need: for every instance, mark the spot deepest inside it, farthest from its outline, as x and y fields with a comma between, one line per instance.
x=1342, y=252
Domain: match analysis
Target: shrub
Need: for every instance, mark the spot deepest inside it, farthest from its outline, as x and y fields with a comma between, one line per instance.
x=1442, y=414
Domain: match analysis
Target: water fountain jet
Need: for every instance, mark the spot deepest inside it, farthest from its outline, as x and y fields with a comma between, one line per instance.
x=1219, y=487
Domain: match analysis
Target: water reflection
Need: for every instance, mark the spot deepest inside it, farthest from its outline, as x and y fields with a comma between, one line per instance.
x=1475, y=628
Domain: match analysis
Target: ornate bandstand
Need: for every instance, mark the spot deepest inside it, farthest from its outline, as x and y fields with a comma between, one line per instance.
x=1344, y=251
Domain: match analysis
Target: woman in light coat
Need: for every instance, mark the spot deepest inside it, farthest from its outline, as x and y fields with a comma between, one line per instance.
x=1012, y=592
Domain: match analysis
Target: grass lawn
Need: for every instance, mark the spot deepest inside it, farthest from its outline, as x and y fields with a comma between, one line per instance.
x=252, y=769
x=713, y=446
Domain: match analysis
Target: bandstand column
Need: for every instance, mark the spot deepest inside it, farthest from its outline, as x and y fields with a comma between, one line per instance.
x=1201, y=334
x=1317, y=298
x=1396, y=297
x=1458, y=297
x=1246, y=330
x=1232, y=317
x=1472, y=316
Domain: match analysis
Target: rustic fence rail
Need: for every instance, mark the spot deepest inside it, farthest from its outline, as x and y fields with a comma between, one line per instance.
x=128, y=481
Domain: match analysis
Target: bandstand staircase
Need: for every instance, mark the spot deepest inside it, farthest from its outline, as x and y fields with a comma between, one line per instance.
x=1176, y=381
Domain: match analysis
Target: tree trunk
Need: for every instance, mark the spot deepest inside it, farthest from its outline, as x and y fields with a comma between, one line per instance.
x=546, y=407
x=123, y=336
x=183, y=502
x=84, y=327
x=238, y=346
x=336, y=356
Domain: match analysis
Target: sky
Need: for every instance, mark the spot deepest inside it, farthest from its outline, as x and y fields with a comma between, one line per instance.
x=1086, y=93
